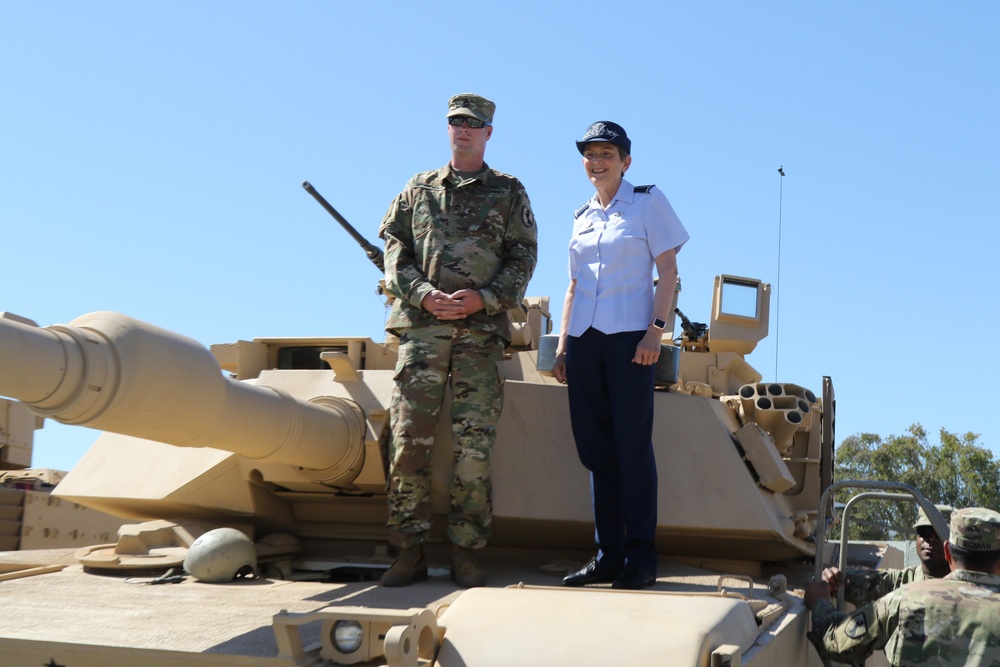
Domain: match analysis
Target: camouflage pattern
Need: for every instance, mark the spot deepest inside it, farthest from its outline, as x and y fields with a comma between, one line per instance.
x=864, y=586
x=949, y=621
x=975, y=529
x=426, y=357
x=471, y=105
x=446, y=233
x=922, y=519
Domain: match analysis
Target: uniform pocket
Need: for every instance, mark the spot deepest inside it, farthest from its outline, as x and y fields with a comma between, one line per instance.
x=426, y=210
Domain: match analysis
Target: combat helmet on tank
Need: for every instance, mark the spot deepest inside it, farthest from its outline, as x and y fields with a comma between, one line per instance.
x=220, y=556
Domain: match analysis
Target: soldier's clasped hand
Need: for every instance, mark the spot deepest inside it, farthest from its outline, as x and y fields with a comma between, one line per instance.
x=455, y=306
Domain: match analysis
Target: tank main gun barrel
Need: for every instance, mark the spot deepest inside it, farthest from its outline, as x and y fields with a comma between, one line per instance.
x=115, y=373
x=374, y=252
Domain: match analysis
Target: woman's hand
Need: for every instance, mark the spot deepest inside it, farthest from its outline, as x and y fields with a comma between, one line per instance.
x=559, y=367
x=648, y=350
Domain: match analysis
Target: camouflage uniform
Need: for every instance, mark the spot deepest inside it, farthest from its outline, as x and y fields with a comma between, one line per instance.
x=448, y=233
x=949, y=621
x=865, y=586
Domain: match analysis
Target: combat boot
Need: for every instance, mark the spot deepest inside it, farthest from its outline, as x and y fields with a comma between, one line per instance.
x=465, y=571
x=410, y=566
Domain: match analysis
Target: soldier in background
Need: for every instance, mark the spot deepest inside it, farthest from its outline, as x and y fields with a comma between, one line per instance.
x=864, y=585
x=460, y=248
x=949, y=621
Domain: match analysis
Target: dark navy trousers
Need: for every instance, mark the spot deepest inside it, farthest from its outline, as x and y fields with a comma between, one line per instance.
x=611, y=410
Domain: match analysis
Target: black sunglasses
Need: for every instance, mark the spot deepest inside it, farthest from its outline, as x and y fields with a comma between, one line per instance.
x=474, y=123
x=926, y=532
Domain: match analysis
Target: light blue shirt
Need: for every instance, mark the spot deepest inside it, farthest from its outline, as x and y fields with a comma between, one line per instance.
x=612, y=254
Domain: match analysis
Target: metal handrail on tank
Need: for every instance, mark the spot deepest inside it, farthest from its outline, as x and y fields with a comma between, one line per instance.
x=114, y=373
x=845, y=523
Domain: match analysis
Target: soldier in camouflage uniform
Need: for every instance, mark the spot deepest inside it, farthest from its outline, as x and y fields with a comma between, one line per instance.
x=949, y=621
x=864, y=585
x=460, y=247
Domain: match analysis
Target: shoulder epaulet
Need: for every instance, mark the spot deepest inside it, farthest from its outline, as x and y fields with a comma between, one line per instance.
x=643, y=188
x=425, y=177
x=580, y=210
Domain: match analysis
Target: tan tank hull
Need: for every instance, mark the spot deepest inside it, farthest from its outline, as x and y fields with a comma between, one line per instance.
x=294, y=446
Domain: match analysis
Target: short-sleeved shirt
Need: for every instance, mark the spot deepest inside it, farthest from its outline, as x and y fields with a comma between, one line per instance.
x=949, y=621
x=612, y=254
x=450, y=233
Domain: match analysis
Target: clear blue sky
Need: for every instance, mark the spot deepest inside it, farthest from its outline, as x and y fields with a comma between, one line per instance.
x=152, y=155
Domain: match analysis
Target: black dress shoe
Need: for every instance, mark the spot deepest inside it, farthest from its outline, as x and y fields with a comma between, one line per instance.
x=633, y=578
x=594, y=572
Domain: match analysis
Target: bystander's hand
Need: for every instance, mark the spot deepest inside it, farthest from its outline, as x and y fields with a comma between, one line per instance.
x=831, y=576
x=816, y=592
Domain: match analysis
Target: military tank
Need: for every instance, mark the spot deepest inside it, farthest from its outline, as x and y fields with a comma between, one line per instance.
x=284, y=439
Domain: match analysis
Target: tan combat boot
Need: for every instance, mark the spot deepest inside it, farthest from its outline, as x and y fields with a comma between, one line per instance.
x=465, y=571
x=410, y=566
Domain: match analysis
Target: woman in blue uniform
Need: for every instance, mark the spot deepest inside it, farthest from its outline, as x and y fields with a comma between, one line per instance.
x=612, y=325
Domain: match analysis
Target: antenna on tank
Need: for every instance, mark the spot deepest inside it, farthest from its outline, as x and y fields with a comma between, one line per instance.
x=777, y=283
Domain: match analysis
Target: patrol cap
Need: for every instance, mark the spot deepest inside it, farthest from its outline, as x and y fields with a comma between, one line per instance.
x=474, y=106
x=922, y=519
x=605, y=130
x=975, y=529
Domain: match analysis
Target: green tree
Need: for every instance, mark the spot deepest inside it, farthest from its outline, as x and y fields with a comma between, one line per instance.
x=957, y=471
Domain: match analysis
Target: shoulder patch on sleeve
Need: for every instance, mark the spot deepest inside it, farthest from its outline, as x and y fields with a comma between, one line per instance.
x=527, y=217
x=581, y=210
x=857, y=626
x=643, y=188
